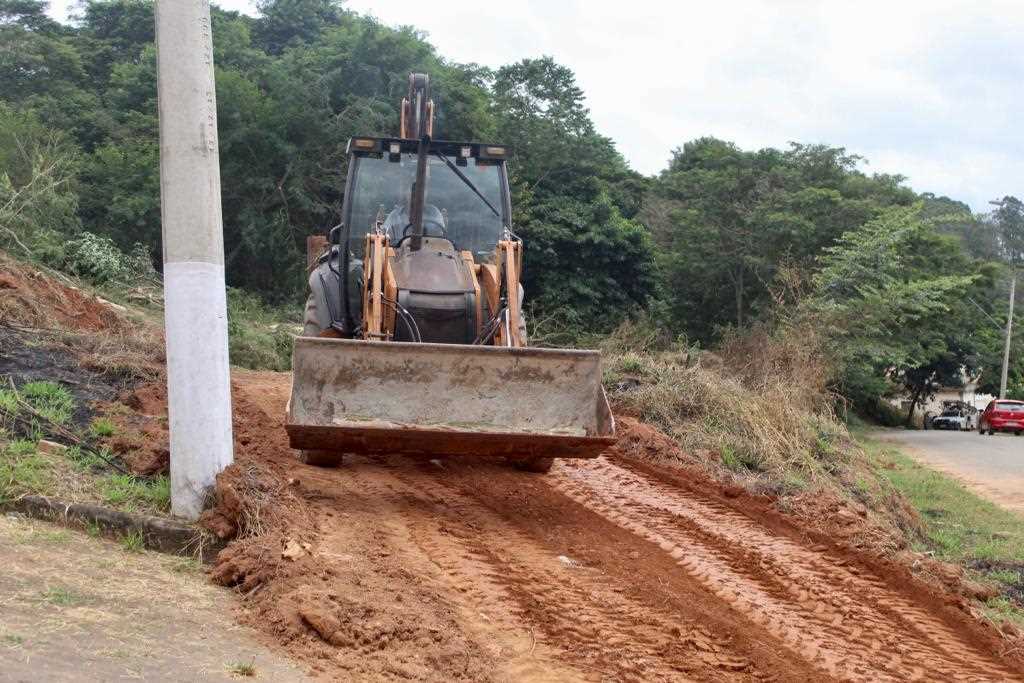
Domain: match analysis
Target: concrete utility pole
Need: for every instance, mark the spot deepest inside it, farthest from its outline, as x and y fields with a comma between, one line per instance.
x=195, y=305
x=1009, y=336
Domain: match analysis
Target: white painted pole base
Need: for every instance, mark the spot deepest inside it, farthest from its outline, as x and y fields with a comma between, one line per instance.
x=198, y=381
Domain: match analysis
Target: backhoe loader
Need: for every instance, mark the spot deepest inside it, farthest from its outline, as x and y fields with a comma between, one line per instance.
x=414, y=338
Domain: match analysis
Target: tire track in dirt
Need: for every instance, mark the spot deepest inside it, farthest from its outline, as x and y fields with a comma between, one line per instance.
x=578, y=613
x=850, y=626
x=486, y=607
x=602, y=570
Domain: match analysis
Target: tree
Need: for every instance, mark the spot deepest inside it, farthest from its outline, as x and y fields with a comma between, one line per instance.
x=585, y=258
x=285, y=23
x=893, y=295
x=29, y=15
x=37, y=172
x=1008, y=222
x=726, y=220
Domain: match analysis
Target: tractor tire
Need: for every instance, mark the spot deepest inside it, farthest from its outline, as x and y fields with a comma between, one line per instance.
x=310, y=323
x=321, y=458
x=538, y=465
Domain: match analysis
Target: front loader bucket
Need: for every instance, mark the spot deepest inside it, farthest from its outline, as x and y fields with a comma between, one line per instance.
x=446, y=399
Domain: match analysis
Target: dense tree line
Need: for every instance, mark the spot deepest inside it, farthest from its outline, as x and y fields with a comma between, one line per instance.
x=909, y=287
x=292, y=86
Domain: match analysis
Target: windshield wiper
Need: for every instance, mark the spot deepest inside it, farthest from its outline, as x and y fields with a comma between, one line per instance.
x=469, y=183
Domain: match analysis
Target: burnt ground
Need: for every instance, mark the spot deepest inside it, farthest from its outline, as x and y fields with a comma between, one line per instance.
x=28, y=357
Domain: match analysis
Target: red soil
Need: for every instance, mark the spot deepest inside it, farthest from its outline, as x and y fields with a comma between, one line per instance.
x=613, y=568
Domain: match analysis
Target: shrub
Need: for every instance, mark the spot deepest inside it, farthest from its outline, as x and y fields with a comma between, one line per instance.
x=761, y=405
x=257, y=339
x=96, y=258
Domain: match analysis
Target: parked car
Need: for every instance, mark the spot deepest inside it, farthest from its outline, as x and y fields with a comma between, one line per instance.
x=952, y=419
x=1002, y=415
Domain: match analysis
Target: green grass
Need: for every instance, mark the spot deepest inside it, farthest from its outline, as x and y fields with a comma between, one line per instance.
x=1003, y=608
x=8, y=402
x=102, y=427
x=77, y=471
x=960, y=527
x=86, y=460
x=58, y=595
x=22, y=471
x=258, y=338
x=21, y=447
x=131, y=492
x=50, y=399
x=52, y=403
x=133, y=542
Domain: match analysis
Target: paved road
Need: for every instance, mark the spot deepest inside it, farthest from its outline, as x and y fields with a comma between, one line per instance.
x=993, y=466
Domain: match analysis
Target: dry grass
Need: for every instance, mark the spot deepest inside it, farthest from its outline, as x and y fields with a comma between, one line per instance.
x=757, y=413
x=759, y=406
x=255, y=500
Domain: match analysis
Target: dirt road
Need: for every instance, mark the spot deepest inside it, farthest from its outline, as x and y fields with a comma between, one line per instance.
x=602, y=570
x=993, y=466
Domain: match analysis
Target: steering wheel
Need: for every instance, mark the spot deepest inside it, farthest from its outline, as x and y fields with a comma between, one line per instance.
x=431, y=224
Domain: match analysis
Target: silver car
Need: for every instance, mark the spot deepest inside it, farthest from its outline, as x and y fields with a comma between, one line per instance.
x=953, y=419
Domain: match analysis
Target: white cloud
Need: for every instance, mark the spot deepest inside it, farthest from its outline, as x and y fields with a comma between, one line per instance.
x=926, y=88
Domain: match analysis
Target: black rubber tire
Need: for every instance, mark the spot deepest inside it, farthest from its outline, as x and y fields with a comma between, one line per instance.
x=538, y=465
x=310, y=323
x=321, y=458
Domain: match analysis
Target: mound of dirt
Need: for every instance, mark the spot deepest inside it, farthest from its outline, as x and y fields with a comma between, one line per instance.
x=104, y=337
x=141, y=437
x=32, y=298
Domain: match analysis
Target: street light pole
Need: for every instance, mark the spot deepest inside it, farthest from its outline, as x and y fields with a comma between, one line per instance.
x=1009, y=335
x=195, y=306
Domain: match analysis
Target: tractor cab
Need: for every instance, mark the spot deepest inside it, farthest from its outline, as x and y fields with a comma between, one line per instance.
x=465, y=199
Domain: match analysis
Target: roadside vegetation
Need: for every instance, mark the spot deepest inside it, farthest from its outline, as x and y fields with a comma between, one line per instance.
x=259, y=336
x=959, y=526
x=756, y=412
x=767, y=416
x=75, y=466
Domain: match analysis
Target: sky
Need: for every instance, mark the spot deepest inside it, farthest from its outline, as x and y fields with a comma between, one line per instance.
x=930, y=90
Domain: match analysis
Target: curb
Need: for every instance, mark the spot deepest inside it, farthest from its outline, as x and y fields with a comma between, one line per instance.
x=158, y=533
